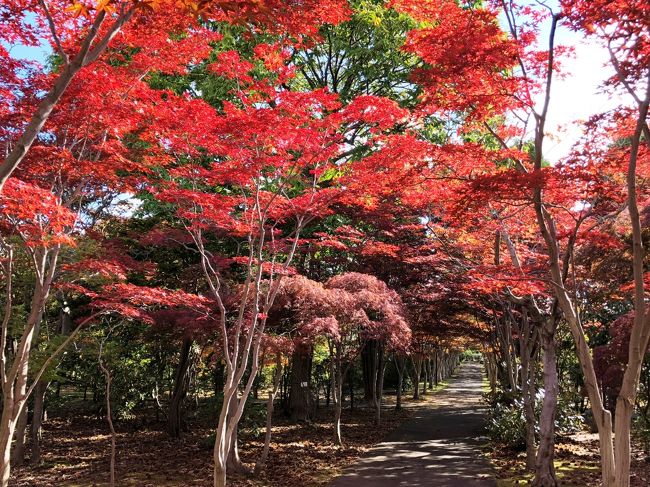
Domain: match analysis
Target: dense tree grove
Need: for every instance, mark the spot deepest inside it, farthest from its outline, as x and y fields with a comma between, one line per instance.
x=220, y=206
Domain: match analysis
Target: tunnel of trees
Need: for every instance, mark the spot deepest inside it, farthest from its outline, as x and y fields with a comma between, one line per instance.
x=254, y=211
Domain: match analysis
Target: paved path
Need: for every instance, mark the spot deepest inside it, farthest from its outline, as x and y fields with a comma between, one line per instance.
x=438, y=447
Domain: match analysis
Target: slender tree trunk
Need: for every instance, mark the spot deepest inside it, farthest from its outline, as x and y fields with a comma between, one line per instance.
x=369, y=370
x=233, y=461
x=400, y=363
x=336, y=374
x=219, y=473
x=544, y=467
x=181, y=385
x=424, y=377
x=417, y=368
x=300, y=399
x=377, y=379
x=351, y=389
x=18, y=453
x=109, y=412
x=528, y=393
x=528, y=334
x=491, y=369
x=337, y=421
x=15, y=397
x=622, y=421
x=640, y=333
x=7, y=428
x=380, y=391
x=37, y=421
x=435, y=367
x=261, y=463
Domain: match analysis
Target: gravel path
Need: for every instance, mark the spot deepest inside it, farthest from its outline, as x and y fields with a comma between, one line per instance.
x=439, y=447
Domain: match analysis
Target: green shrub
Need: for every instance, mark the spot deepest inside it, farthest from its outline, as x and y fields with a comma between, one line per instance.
x=567, y=420
x=507, y=425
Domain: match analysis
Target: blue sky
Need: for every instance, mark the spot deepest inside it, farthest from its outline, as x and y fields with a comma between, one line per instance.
x=29, y=52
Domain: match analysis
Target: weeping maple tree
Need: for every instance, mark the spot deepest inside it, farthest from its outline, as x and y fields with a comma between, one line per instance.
x=348, y=311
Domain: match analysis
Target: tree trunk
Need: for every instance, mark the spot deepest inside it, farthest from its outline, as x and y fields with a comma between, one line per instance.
x=37, y=421
x=18, y=453
x=528, y=334
x=233, y=461
x=528, y=393
x=400, y=364
x=261, y=463
x=380, y=389
x=300, y=399
x=491, y=369
x=181, y=385
x=622, y=421
x=336, y=375
x=417, y=368
x=369, y=367
x=351, y=389
x=15, y=394
x=544, y=467
x=7, y=429
x=435, y=367
x=424, y=377
x=109, y=413
x=337, y=422
x=375, y=393
x=219, y=474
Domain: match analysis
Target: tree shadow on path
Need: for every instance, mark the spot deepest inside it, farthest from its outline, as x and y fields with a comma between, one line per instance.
x=439, y=447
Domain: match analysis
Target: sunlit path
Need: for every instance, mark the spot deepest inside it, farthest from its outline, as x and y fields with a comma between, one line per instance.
x=440, y=446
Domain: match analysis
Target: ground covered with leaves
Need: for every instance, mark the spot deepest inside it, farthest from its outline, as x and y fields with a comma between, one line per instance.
x=76, y=452
x=576, y=464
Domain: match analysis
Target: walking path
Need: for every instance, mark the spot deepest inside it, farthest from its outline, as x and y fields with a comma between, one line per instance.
x=439, y=447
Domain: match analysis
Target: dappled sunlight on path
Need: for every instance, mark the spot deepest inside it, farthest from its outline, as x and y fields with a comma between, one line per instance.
x=439, y=446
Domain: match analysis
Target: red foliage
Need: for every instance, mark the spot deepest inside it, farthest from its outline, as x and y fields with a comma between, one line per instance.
x=466, y=55
x=347, y=306
x=35, y=214
x=610, y=360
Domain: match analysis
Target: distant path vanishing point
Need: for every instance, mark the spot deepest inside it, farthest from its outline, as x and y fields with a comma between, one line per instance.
x=439, y=447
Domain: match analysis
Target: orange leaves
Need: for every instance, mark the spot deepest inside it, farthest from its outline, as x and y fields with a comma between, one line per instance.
x=78, y=8
x=85, y=7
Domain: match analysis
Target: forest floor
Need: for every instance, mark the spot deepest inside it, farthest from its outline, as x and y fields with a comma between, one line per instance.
x=576, y=464
x=76, y=450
